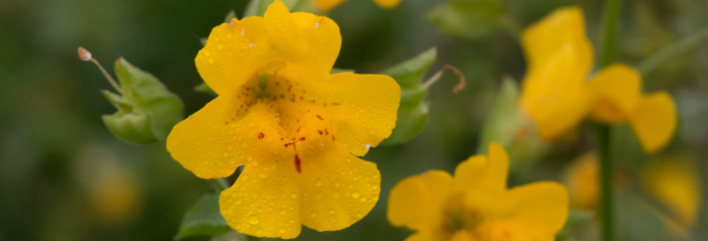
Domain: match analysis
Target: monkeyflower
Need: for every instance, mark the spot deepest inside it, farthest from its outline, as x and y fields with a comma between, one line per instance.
x=476, y=205
x=296, y=128
x=329, y=4
x=557, y=96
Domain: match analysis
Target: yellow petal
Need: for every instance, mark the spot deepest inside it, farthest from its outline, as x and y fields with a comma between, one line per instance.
x=486, y=173
x=338, y=189
x=559, y=57
x=263, y=202
x=233, y=53
x=193, y=144
x=387, y=4
x=213, y=142
x=364, y=105
x=236, y=52
x=617, y=89
x=417, y=202
x=675, y=183
x=560, y=33
x=654, y=121
x=540, y=210
x=326, y=5
x=581, y=178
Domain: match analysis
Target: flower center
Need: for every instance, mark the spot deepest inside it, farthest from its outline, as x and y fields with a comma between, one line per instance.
x=303, y=123
x=457, y=217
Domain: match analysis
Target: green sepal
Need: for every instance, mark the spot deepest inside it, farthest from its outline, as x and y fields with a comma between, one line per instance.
x=467, y=18
x=413, y=111
x=259, y=7
x=147, y=111
x=204, y=88
x=203, y=218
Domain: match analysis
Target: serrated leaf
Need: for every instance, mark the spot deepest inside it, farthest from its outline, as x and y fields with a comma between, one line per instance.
x=147, y=111
x=467, y=18
x=203, y=218
x=413, y=111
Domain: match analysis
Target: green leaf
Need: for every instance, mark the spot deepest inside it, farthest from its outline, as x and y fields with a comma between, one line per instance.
x=203, y=218
x=147, y=111
x=467, y=18
x=509, y=127
x=576, y=219
x=259, y=7
x=413, y=111
x=230, y=236
x=229, y=16
x=204, y=88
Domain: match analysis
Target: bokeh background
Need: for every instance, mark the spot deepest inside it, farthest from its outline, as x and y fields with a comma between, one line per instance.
x=63, y=176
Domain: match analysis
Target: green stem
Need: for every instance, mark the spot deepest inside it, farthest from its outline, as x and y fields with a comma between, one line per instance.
x=602, y=134
x=220, y=184
x=611, y=14
x=671, y=51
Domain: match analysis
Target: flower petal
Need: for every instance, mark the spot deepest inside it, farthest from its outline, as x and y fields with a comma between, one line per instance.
x=540, y=210
x=416, y=202
x=560, y=31
x=654, y=121
x=484, y=173
x=193, y=144
x=559, y=56
x=582, y=179
x=233, y=53
x=387, y=4
x=338, y=189
x=263, y=202
x=364, y=107
x=617, y=89
x=323, y=36
x=213, y=142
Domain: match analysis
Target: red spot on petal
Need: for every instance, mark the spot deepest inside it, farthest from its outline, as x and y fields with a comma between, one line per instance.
x=335, y=103
x=319, y=117
x=319, y=132
x=326, y=132
x=297, y=164
x=226, y=122
x=281, y=138
x=333, y=137
x=302, y=138
x=261, y=135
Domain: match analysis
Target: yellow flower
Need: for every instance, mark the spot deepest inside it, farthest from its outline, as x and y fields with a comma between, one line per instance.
x=297, y=129
x=329, y=4
x=582, y=178
x=475, y=204
x=675, y=183
x=557, y=96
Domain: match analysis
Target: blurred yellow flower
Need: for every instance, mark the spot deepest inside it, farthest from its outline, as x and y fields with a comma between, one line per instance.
x=329, y=4
x=557, y=96
x=582, y=178
x=675, y=183
x=475, y=204
x=672, y=181
x=296, y=128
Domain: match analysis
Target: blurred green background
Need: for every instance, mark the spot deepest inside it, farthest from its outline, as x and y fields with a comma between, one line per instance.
x=63, y=176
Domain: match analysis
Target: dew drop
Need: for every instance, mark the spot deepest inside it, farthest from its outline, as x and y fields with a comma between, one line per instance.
x=331, y=211
x=356, y=194
x=239, y=200
x=318, y=183
x=262, y=175
x=253, y=219
x=313, y=214
x=336, y=194
x=211, y=61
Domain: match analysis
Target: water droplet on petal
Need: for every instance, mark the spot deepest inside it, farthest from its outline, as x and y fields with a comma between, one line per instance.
x=356, y=194
x=253, y=219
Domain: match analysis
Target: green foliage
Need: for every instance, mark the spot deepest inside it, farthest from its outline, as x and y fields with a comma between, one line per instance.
x=467, y=18
x=204, y=218
x=147, y=111
x=259, y=7
x=507, y=125
x=230, y=236
x=413, y=111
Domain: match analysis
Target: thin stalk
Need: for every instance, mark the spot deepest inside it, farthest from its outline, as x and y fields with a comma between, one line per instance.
x=461, y=85
x=671, y=51
x=108, y=76
x=602, y=143
x=611, y=15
